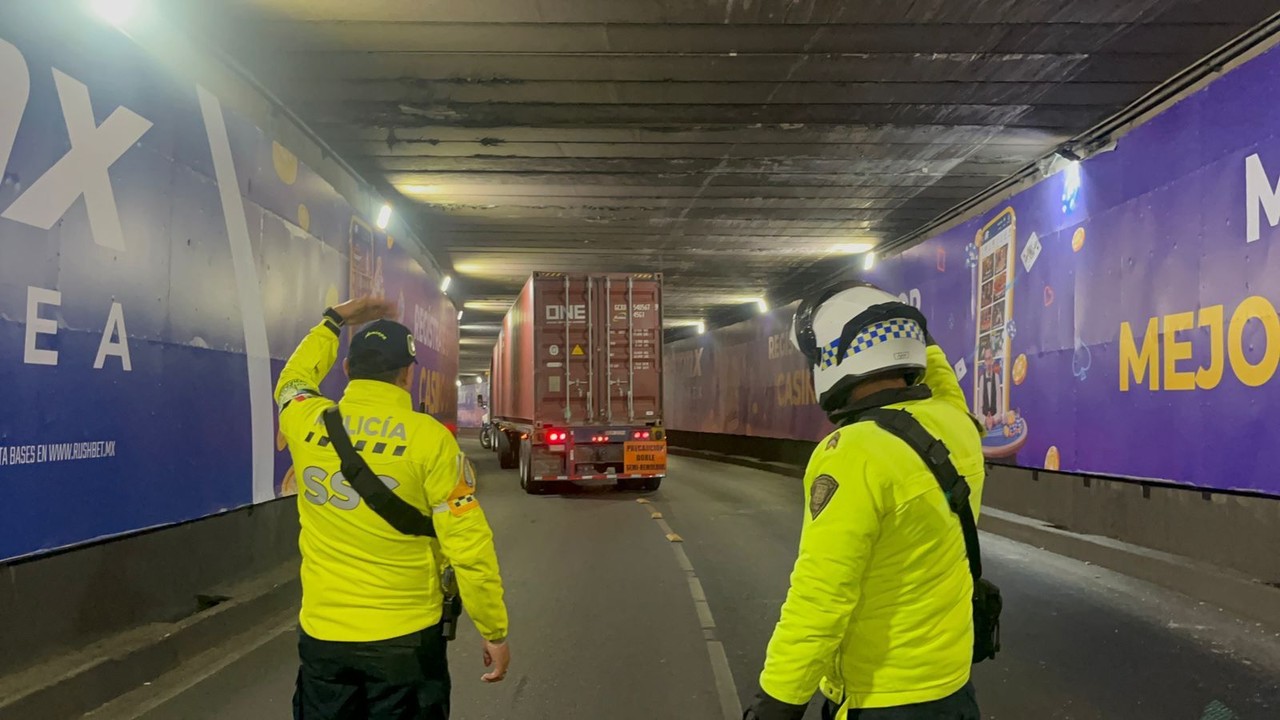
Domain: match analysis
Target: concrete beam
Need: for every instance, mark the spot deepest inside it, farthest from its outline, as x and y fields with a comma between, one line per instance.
x=992, y=170
x=715, y=133
x=717, y=38
x=902, y=186
x=391, y=114
x=794, y=66
x=759, y=11
x=414, y=91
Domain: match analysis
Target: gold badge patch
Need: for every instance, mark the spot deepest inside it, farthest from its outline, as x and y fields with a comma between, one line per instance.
x=824, y=488
x=833, y=442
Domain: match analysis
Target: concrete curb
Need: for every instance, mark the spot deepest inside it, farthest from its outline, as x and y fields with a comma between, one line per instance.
x=69, y=687
x=1233, y=592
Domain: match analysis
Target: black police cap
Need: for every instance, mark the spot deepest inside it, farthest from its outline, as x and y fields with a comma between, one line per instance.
x=381, y=346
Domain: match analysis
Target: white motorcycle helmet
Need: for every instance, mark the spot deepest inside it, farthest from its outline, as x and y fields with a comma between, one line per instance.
x=854, y=331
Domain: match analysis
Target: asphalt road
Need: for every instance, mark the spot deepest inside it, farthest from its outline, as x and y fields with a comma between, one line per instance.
x=605, y=623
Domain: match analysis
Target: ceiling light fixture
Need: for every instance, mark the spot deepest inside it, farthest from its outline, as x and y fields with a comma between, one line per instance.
x=868, y=261
x=384, y=217
x=702, y=327
x=856, y=248
x=762, y=305
x=444, y=284
x=488, y=305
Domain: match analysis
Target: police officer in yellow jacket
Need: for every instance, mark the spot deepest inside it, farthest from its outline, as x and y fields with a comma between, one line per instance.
x=879, y=613
x=371, y=642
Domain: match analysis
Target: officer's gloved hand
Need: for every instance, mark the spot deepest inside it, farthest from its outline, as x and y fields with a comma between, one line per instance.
x=767, y=708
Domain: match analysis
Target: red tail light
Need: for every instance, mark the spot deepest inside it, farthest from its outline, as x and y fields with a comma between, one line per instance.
x=557, y=437
x=641, y=435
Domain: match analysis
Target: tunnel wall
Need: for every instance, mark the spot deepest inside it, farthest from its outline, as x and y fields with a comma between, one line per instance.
x=164, y=244
x=1116, y=319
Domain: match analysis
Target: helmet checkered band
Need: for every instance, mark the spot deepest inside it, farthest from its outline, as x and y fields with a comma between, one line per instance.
x=872, y=335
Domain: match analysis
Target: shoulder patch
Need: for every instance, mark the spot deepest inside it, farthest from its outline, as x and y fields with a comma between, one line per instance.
x=834, y=441
x=296, y=390
x=462, y=500
x=824, y=488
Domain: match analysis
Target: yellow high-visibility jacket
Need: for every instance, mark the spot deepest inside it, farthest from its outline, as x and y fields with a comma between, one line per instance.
x=880, y=607
x=363, y=580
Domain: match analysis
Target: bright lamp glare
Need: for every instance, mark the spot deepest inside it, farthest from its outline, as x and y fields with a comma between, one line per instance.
x=384, y=217
x=763, y=305
x=856, y=248
x=116, y=12
x=444, y=284
x=868, y=261
x=459, y=316
x=702, y=327
x=479, y=380
x=459, y=383
x=1071, y=184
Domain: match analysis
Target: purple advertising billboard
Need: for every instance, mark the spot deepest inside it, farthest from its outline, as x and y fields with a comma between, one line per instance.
x=160, y=258
x=1116, y=318
x=746, y=379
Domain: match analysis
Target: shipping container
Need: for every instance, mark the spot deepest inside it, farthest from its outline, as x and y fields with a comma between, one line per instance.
x=577, y=381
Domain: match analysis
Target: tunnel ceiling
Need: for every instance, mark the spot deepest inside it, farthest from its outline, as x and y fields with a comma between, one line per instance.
x=735, y=146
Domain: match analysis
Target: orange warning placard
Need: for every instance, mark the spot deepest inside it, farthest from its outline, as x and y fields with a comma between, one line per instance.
x=646, y=458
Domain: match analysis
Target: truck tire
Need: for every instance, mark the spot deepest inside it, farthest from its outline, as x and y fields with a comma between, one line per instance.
x=650, y=484
x=506, y=451
x=486, y=440
x=527, y=483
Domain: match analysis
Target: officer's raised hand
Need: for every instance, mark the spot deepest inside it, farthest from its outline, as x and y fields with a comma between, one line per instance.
x=358, y=311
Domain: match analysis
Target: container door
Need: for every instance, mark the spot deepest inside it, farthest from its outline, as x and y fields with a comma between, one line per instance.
x=630, y=343
x=563, y=349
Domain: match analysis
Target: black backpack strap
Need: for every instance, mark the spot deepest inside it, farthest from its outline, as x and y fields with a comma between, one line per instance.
x=937, y=458
x=398, y=513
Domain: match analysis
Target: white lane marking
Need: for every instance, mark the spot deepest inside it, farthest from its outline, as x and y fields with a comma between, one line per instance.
x=257, y=353
x=695, y=587
x=726, y=688
x=683, y=560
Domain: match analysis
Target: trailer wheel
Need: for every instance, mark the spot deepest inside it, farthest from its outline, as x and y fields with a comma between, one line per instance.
x=650, y=484
x=486, y=440
x=506, y=452
x=527, y=483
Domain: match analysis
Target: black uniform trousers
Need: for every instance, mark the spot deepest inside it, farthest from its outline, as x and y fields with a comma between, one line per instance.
x=404, y=678
x=960, y=705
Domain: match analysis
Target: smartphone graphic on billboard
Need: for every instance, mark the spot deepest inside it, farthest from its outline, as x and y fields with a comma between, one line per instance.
x=994, y=288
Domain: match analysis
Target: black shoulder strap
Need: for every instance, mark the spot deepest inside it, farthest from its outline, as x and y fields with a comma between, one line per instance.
x=398, y=513
x=937, y=458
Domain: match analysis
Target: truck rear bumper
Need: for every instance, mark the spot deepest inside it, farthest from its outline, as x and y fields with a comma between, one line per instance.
x=596, y=477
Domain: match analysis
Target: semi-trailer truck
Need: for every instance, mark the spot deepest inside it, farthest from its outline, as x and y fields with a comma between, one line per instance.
x=576, y=391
